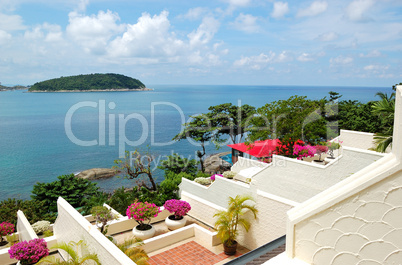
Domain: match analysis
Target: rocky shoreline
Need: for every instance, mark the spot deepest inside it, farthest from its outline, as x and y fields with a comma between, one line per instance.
x=97, y=173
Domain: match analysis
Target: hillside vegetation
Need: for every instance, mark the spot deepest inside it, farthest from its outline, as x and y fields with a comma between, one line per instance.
x=89, y=82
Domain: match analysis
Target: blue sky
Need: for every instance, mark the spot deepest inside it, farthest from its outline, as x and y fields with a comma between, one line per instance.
x=234, y=42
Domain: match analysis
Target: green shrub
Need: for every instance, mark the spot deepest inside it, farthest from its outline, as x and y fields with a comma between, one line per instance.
x=41, y=226
x=72, y=189
x=229, y=174
x=203, y=181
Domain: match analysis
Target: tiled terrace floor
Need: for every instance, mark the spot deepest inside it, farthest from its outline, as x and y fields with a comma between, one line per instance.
x=186, y=252
x=189, y=253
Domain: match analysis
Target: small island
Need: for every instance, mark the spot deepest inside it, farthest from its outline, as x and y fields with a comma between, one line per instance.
x=8, y=88
x=89, y=83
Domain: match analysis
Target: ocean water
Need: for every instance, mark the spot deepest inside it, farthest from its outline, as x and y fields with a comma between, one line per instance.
x=45, y=135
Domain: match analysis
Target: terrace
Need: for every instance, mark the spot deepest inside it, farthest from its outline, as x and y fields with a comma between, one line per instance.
x=192, y=243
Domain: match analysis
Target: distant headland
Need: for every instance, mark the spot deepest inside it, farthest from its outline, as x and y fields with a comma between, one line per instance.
x=89, y=83
x=7, y=88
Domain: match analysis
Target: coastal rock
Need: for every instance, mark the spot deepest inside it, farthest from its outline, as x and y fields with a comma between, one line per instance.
x=97, y=173
x=214, y=163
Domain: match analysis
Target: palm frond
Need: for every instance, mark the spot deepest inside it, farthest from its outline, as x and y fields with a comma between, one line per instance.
x=382, y=142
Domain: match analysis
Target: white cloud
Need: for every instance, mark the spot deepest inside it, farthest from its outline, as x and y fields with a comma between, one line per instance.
x=4, y=37
x=11, y=22
x=255, y=62
x=305, y=57
x=246, y=23
x=205, y=32
x=375, y=67
x=371, y=54
x=46, y=32
x=280, y=9
x=149, y=37
x=93, y=32
x=238, y=2
x=284, y=56
x=356, y=10
x=316, y=8
x=341, y=60
x=195, y=13
x=262, y=60
x=329, y=36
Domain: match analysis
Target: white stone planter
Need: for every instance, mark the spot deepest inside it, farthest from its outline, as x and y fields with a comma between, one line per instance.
x=175, y=224
x=144, y=234
x=308, y=159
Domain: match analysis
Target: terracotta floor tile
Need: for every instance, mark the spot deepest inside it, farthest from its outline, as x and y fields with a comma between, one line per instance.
x=190, y=253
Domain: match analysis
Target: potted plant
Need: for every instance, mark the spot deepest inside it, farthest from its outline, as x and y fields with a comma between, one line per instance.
x=142, y=212
x=228, y=221
x=304, y=152
x=320, y=150
x=5, y=230
x=178, y=208
x=41, y=226
x=29, y=252
x=102, y=216
x=332, y=146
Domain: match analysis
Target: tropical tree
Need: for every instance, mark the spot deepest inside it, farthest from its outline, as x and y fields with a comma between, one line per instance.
x=199, y=129
x=229, y=221
x=132, y=247
x=294, y=118
x=384, y=109
x=77, y=255
x=178, y=164
x=138, y=166
x=231, y=120
x=72, y=189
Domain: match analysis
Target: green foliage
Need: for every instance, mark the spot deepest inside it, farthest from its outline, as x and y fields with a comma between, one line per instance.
x=199, y=129
x=203, y=181
x=96, y=200
x=121, y=199
x=202, y=175
x=295, y=118
x=137, y=166
x=102, y=215
x=231, y=120
x=72, y=189
x=132, y=247
x=357, y=116
x=77, y=255
x=178, y=164
x=228, y=221
x=33, y=210
x=88, y=82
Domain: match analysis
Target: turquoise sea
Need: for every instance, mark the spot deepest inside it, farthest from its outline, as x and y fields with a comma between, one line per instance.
x=35, y=145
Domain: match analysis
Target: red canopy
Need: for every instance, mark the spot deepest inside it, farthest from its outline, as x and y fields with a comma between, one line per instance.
x=263, y=148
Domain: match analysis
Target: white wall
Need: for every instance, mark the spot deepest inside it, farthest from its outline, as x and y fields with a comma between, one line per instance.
x=70, y=225
x=271, y=222
x=357, y=221
x=361, y=140
x=24, y=228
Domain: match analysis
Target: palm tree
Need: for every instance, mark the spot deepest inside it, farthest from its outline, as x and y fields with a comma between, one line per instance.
x=385, y=109
x=72, y=249
x=228, y=221
x=132, y=248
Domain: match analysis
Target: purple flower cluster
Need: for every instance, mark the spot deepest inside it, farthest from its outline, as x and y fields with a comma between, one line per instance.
x=6, y=229
x=142, y=211
x=214, y=176
x=29, y=252
x=303, y=151
x=178, y=207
